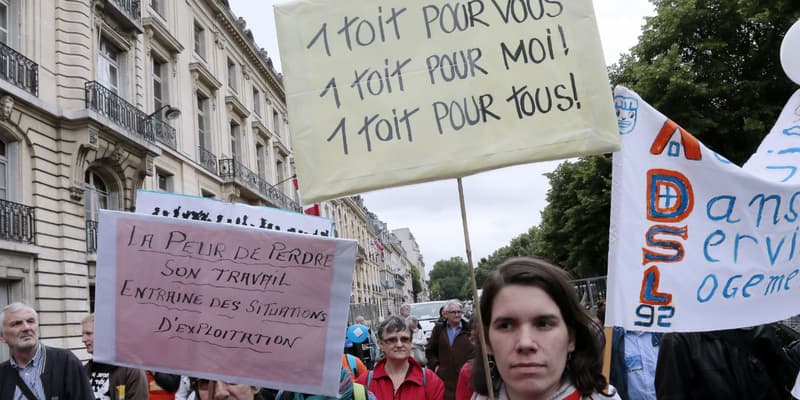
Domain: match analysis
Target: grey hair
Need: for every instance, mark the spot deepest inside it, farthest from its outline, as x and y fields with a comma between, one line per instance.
x=88, y=318
x=391, y=324
x=12, y=308
x=452, y=303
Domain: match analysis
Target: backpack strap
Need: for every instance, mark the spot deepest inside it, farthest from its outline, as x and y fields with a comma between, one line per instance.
x=351, y=362
x=359, y=392
x=424, y=376
x=369, y=379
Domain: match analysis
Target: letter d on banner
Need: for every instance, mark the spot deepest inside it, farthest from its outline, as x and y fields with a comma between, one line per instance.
x=669, y=196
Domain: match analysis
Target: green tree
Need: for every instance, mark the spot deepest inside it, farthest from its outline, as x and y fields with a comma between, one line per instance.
x=522, y=245
x=574, y=228
x=416, y=282
x=713, y=67
x=449, y=279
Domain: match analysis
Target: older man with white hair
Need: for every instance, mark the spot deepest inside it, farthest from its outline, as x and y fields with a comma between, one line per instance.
x=449, y=347
x=36, y=371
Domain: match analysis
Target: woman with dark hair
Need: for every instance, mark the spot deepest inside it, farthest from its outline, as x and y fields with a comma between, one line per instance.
x=398, y=375
x=541, y=342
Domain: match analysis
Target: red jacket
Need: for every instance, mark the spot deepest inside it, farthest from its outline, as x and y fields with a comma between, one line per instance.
x=411, y=388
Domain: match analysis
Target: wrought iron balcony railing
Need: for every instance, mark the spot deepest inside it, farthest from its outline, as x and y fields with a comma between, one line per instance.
x=19, y=70
x=232, y=168
x=91, y=236
x=163, y=132
x=207, y=159
x=131, y=9
x=281, y=200
x=104, y=101
x=17, y=222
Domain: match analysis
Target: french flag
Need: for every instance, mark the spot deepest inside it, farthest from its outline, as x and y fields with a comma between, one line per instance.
x=312, y=209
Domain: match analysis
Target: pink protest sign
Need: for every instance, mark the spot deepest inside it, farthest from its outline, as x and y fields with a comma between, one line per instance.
x=222, y=302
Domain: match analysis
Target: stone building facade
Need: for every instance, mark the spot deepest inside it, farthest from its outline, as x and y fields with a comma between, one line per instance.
x=101, y=98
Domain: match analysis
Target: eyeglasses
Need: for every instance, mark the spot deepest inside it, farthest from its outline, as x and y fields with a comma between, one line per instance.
x=455, y=312
x=397, y=339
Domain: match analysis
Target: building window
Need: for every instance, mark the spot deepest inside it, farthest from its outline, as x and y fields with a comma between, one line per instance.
x=232, y=74
x=6, y=290
x=157, y=6
x=207, y=194
x=99, y=196
x=199, y=40
x=108, y=66
x=236, y=141
x=256, y=102
x=261, y=159
x=3, y=172
x=4, y=14
x=276, y=125
x=164, y=180
x=160, y=97
x=203, y=123
x=279, y=170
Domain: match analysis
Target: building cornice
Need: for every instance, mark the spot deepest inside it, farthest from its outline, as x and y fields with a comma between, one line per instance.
x=257, y=56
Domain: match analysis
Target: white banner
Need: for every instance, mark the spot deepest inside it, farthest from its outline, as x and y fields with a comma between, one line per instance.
x=206, y=209
x=697, y=243
x=393, y=92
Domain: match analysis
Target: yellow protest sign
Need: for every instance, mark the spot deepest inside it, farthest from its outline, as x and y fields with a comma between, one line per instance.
x=392, y=92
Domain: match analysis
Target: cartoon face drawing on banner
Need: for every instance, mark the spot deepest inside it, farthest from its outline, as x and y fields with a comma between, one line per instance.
x=627, y=108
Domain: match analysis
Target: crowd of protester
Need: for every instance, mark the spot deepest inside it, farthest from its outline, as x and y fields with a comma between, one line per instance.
x=540, y=343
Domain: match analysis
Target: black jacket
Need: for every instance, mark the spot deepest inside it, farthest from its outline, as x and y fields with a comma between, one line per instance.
x=449, y=359
x=63, y=376
x=730, y=364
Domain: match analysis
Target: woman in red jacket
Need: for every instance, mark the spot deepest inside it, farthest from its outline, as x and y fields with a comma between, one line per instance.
x=398, y=376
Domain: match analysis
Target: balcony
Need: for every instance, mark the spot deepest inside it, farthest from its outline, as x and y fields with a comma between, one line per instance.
x=17, y=222
x=163, y=132
x=208, y=160
x=230, y=168
x=127, y=12
x=19, y=70
x=91, y=236
x=105, y=102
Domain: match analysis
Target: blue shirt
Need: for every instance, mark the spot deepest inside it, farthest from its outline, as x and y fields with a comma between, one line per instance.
x=641, y=358
x=31, y=374
x=452, y=333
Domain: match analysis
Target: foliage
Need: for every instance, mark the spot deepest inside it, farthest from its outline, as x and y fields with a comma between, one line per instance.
x=574, y=228
x=713, y=66
x=449, y=279
x=522, y=245
x=416, y=282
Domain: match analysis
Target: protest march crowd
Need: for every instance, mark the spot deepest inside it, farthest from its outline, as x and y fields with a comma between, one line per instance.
x=540, y=340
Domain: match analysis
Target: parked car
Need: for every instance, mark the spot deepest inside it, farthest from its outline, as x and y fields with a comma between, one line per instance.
x=427, y=314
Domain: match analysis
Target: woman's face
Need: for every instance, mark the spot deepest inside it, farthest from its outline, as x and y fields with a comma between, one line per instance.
x=529, y=341
x=225, y=391
x=396, y=345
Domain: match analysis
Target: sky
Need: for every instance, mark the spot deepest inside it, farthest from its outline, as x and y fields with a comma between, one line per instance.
x=500, y=204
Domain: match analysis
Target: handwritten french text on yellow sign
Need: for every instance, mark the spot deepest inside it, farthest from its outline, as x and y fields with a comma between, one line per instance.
x=392, y=92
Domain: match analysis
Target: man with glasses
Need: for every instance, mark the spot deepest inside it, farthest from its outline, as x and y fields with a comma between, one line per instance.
x=450, y=347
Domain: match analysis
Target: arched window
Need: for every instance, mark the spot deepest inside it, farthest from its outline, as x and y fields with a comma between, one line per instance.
x=9, y=168
x=99, y=195
x=3, y=172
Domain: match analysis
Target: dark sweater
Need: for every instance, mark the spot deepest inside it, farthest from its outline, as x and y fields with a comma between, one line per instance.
x=63, y=377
